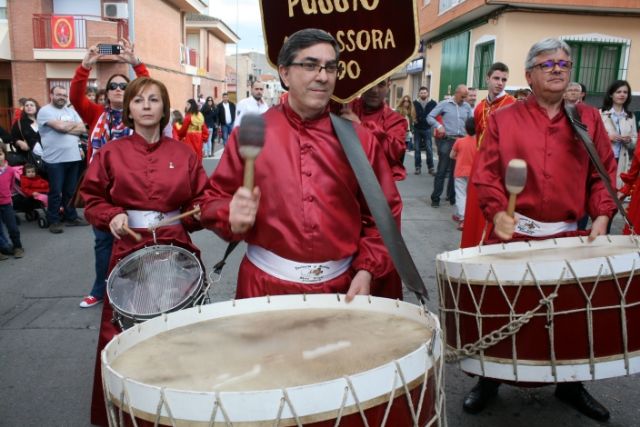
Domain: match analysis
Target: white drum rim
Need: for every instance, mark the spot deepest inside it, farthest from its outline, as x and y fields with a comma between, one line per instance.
x=419, y=364
x=136, y=317
x=456, y=266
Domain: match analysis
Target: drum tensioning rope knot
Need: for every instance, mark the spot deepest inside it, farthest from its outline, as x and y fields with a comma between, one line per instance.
x=453, y=355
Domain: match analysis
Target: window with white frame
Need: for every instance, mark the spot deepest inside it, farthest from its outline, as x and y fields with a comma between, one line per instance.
x=598, y=60
x=448, y=4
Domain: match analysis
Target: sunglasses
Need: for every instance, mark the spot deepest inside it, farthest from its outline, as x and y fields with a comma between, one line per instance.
x=114, y=86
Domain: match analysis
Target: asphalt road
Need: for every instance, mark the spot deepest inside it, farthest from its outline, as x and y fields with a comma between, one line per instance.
x=47, y=343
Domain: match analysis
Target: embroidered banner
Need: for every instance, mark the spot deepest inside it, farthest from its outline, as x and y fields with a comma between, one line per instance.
x=376, y=37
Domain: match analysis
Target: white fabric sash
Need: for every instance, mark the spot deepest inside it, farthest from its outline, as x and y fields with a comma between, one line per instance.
x=299, y=272
x=531, y=227
x=146, y=219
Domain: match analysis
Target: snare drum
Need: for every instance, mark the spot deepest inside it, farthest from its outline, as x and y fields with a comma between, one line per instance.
x=288, y=360
x=154, y=280
x=575, y=306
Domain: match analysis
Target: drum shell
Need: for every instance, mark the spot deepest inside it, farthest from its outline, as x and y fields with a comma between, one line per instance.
x=432, y=407
x=585, y=331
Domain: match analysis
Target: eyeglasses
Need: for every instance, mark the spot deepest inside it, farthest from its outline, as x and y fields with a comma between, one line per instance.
x=114, y=85
x=330, y=68
x=548, y=66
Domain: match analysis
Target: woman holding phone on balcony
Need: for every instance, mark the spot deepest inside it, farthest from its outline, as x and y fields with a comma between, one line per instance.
x=105, y=124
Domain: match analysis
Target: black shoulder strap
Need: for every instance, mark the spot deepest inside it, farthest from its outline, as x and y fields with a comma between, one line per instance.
x=379, y=207
x=581, y=130
x=217, y=268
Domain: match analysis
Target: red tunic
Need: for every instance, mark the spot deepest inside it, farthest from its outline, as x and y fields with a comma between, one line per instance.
x=631, y=187
x=562, y=184
x=193, y=135
x=390, y=128
x=90, y=111
x=133, y=174
x=474, y=223
x=311, y=208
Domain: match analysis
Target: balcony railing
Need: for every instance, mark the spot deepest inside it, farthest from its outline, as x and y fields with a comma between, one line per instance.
x=88, y=30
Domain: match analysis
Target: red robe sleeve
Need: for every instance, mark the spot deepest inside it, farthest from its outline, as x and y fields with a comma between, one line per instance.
x=182, y=132
x=228, y=178
x=489, y=175
x=391, y=134
x=373, y=255
x=99, y=209
x=205, y=132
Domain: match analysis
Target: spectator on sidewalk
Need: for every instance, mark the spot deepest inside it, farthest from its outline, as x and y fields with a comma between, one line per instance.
x=454, y=113
x=463, y=152
x=194, y=131
x=422, y=130
x=210, y=114
x=252, y=104
x=34, y=186
x=7, y=214
x=226, y=116
x=60, y=128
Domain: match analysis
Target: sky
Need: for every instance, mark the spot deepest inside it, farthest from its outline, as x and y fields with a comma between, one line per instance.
x=243, y=18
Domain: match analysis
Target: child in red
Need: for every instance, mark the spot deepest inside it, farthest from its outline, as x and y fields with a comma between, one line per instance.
x=33, y=185
x=464, y=150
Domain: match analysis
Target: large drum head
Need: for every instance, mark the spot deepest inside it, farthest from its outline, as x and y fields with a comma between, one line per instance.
x=285, y=360
x=154, y=280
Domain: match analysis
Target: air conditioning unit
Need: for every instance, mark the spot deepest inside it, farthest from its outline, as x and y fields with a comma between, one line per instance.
x=116, y=10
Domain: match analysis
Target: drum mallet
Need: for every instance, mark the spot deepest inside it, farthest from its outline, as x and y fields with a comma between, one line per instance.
x=132, y=233
x=174, y=218
x=250, y=143
x=514, y=180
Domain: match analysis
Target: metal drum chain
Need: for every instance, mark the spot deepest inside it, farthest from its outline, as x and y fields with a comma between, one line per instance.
x=494, y=337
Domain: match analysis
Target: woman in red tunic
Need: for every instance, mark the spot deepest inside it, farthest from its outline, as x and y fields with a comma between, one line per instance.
x=143, y=173
x=193, y=130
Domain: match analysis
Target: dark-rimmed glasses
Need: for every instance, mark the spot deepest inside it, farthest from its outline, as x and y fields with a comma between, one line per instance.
x=330, y=68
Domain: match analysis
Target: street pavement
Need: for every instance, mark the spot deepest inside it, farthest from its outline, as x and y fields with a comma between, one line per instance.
x=47, y=343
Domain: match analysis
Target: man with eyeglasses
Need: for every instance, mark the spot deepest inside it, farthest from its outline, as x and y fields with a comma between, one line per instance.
x=561, y=184
x=307, y=224
x=60, y=128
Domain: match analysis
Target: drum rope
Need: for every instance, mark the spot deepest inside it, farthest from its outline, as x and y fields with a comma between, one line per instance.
x=357, y=401
x=453, y=355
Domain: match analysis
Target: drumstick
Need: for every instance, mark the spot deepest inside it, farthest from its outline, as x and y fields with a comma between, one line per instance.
x=169, y=220
x=515, y=180
x=132, y=233
x=250, y=143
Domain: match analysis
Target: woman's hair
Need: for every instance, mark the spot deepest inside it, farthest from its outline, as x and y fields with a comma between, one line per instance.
x=134, y=88
x=193, y=106
x=406, y=111
x=35, y=102
x=607, y=102
x=177, y=116
x=206, y=107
